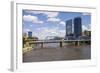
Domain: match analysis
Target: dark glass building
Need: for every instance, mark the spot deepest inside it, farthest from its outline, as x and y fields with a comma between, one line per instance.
x=29, y=34
x=73, y=28
x=69, y=30
x=77, y=27
x=69, y=27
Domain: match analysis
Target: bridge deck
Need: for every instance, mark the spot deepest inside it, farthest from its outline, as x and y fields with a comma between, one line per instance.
x=56, y=41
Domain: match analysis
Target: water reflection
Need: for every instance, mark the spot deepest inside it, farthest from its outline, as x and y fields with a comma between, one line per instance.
x=51, y=52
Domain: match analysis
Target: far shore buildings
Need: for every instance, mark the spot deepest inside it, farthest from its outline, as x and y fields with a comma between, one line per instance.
x=27, y=37
x=74, y=27
x=29, y=33
x=73, y=30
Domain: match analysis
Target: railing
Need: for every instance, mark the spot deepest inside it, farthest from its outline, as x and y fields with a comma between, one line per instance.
x=76, y=42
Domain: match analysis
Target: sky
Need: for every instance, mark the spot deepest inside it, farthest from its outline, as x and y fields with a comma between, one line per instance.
x=44, y=24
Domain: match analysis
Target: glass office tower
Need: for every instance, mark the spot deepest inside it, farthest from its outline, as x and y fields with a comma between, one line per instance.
x=29, y=34
x=73, y=28
x=77, y=27
x=69, y=27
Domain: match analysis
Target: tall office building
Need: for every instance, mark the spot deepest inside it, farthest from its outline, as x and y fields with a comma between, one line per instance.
x=69, y=27
x=77, y=27
x=74, y=28
x=29, y=34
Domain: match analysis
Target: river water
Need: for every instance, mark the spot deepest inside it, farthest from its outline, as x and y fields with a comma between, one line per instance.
x=52, y=52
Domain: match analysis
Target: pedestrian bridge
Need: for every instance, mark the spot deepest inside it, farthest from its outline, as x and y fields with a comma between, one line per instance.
x=42, y=42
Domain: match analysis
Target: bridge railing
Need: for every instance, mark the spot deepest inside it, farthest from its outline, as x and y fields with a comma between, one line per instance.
x=42, y=42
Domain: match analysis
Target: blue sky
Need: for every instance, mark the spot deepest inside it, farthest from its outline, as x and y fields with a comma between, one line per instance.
x=50, y=23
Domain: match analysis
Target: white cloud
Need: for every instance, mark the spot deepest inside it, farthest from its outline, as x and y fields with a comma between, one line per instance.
x=48, y=14
x=31, y=25
x=33, y=19
x=89, y=27
x=85, y=13
x=29, y=18
x=62, y=33
x=26, y=30
x=62, y=22
x=53, y=19
x=51, y=14
x=43, y=32
x=84, y=27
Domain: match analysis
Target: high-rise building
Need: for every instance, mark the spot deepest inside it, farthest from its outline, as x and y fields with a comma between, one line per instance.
x=77, y=27
x=69, y=27
x=74, y=27
x=29, y=34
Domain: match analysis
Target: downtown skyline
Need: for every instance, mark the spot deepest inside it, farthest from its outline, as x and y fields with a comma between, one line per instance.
x=50, y=23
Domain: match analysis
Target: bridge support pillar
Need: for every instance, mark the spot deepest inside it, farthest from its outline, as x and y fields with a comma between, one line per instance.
x=61, y=44
x=77, y=43
x=42, y=44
